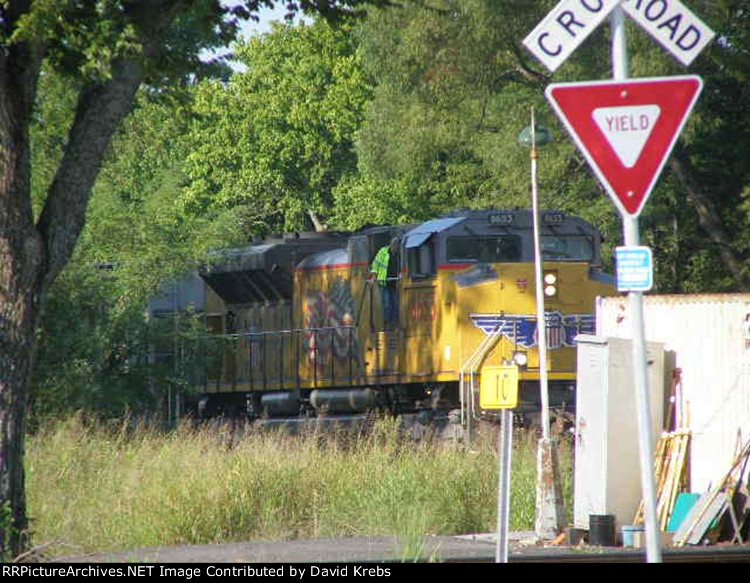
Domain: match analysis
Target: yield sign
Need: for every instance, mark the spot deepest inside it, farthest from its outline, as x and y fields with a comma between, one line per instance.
x=626, y=129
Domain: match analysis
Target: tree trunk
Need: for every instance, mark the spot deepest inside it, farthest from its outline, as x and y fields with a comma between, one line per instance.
x=21, y=261
x=19, y=320
x=317, y=223
x=31, y=256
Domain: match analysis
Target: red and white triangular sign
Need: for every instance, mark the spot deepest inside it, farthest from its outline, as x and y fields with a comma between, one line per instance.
x=626, y=129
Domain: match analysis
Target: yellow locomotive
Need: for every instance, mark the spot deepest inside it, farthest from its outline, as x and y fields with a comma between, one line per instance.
x=302, y=332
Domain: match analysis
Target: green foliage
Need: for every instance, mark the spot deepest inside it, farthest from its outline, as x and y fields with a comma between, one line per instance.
x=84, y=39
x=454, y=88
x=278, y=137
x=81, y=36
x=360, y=200
x=452, y=95
x=94, y=344
x=90, y=354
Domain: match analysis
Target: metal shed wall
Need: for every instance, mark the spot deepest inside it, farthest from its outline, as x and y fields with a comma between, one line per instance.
x=710, y=338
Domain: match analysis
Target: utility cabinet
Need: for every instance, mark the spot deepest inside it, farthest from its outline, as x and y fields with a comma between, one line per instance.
x=607, y=463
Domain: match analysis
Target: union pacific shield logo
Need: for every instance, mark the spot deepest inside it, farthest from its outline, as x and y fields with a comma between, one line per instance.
x=521, y=329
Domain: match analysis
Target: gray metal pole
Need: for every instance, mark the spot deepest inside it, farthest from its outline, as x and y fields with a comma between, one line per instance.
x=631, y=236
x=503, y=485
x=550, y=515
x=541, y=323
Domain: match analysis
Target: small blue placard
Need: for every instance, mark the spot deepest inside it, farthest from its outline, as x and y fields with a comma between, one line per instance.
x=635, y=269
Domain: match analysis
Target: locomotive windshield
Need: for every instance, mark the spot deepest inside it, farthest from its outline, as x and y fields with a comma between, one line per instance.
x=509, y=248
x=567, y=248
x=488, y=249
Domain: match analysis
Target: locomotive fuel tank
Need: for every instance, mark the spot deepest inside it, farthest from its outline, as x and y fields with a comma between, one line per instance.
x=335, y=401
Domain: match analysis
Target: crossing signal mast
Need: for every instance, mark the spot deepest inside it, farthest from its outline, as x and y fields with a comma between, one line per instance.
x=626, y=129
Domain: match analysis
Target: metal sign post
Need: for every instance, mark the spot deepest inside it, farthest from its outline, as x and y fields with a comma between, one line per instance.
x=498, y=389
x=626, y=130
x=505, y=448
x=640, y=366
x=541, y=322
x=550, y=514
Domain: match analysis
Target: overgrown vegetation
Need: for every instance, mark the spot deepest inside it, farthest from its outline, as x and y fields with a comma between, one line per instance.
x=96, y=488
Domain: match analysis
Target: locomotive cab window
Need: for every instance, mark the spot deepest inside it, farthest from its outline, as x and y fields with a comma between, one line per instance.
x=495, y=249
x=421, y=260
x=567, y=248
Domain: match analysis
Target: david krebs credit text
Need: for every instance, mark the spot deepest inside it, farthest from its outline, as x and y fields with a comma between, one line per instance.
x=296, y=571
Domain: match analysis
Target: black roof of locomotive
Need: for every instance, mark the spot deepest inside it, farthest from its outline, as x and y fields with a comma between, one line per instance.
x=274, y=253
x=262, y=271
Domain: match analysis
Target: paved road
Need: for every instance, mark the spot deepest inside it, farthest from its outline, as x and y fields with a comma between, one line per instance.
x=523, y=547
x=349, y=550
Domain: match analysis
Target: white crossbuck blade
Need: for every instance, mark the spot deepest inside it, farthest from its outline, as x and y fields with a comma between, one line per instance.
x=569, y=23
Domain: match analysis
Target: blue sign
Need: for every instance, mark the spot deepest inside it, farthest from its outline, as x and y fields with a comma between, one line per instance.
x=635, y=269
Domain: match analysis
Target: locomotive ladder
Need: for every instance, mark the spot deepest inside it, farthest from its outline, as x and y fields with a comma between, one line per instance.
x=468, y=371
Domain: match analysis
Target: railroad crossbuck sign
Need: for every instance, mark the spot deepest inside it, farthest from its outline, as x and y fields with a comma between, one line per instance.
x=678, y=30
x=564, y=28
x=626, y=129
x=569, y=23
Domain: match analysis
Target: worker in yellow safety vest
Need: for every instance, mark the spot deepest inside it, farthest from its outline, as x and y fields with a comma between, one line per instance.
x=384, y=271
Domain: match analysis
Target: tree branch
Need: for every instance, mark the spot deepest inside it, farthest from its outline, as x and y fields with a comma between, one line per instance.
x=523, y=69
x=101, y=108
x=708, y=217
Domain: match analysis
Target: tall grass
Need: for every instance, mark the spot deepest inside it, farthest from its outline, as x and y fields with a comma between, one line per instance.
x=94, y=488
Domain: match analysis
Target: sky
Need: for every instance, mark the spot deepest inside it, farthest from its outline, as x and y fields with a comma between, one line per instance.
x=250, y=28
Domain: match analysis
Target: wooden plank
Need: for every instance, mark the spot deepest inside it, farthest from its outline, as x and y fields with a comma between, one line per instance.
x=683, y=443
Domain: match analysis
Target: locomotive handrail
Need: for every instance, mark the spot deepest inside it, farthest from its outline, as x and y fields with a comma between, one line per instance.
x=487, y=343
x=294, y=334
x=278, y=332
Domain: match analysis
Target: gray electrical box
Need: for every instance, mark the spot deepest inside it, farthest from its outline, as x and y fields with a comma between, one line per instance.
x=607, y=465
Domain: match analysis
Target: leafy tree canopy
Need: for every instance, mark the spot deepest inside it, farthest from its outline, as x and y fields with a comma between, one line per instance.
x=276, y=138
x=454, y=88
